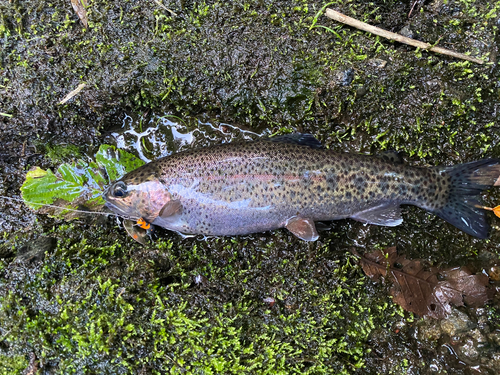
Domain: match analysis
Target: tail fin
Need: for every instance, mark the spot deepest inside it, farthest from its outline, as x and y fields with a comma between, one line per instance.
x=462, y=208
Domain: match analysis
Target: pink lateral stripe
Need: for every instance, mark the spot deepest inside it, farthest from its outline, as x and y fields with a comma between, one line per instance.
x=267, y=177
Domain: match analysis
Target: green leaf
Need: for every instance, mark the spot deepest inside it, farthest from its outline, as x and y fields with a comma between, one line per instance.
x=116, y=162
x=77, y=183
x=37, y=187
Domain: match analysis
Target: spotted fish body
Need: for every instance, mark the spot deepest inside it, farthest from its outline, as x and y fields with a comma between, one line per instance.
x=241, y=188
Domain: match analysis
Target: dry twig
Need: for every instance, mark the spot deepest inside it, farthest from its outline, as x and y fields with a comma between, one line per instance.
x=339, y=17
x=164, y=7
x=73, y=93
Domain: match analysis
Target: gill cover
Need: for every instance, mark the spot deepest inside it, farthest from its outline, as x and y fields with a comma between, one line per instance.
x=136, y=197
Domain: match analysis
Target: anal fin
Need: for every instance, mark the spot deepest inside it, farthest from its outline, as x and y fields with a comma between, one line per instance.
x=386, y=214
x=302, y=228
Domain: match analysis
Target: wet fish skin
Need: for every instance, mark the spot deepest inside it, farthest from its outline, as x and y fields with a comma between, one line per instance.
x=242, y=188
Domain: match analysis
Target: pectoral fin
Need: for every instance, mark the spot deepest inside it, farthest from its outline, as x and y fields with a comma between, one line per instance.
x=170, y=208
x=302, y=228
x=387, y=214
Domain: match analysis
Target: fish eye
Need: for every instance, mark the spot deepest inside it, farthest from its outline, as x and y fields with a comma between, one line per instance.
x=119, y=190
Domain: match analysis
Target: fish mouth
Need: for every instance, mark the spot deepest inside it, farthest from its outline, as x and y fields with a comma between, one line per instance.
x=119, y=211
x=114, y=207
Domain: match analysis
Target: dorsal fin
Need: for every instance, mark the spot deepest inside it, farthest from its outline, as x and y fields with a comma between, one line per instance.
x=297, y=139
x=391, y=157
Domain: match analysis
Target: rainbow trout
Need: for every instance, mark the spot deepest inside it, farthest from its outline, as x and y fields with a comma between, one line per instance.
x=291, y=182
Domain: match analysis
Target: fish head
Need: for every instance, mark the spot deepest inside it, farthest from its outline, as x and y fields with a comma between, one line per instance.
x=137, y=198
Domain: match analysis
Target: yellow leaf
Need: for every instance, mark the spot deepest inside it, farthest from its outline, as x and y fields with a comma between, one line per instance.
x=36, y=172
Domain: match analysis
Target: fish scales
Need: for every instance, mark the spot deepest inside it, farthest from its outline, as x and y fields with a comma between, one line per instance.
x=241, y=188
x=295, y=179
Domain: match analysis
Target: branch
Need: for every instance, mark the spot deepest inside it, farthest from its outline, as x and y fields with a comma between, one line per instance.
x=397, y=37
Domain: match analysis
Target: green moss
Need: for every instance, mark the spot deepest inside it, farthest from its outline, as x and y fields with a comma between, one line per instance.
x=61, y=153
x=87, y=307
x=12, y=365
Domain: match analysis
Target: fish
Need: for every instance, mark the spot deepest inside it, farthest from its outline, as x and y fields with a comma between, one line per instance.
x=291, y=182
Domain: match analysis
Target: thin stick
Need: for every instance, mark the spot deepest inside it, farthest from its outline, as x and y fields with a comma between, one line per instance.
x=164, y=7
x=339, y=17
x=413, y=6
x=73, y=93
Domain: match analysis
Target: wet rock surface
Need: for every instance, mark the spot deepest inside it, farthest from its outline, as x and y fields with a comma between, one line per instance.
x=457, y=323
x=35, y=250
x=82, y=297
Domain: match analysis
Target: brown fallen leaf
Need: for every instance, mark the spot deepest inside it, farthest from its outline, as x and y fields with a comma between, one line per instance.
x=79, y=6
x=474, y=287
x=426, y=290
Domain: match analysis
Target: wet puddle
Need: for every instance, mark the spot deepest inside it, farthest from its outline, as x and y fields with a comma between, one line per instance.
x=160, y=136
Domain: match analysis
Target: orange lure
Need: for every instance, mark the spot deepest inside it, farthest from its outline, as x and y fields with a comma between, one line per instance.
x=496, y=210
x=145, y=225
